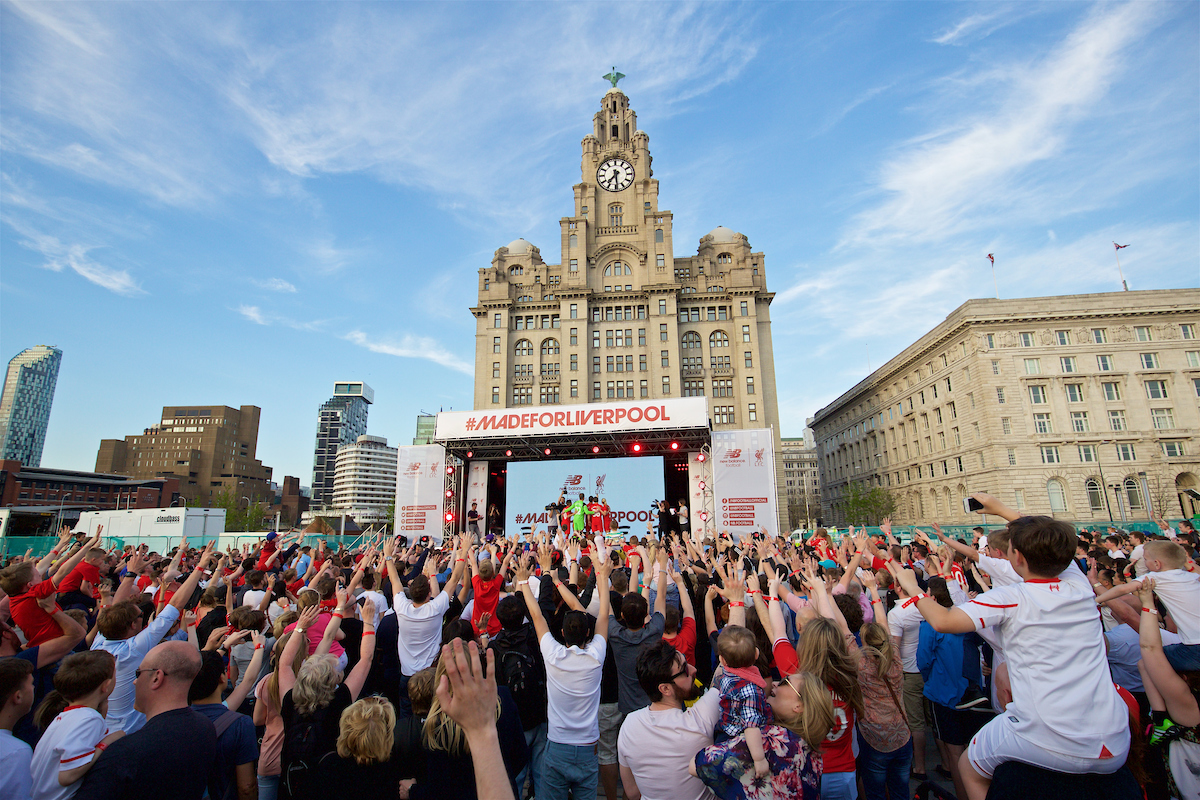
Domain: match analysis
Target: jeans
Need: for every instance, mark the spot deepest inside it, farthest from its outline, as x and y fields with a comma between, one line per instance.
x=672, y=596
x=534, y=770
x=841, y=786
x=569, y=768
x=268, y=787
x=884, y=773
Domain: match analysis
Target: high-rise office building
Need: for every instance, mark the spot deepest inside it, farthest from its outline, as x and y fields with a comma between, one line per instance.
x=364, y=481
x=802, y=481
x=342, y=419
x=210, y=449
x=620, y=316
x=25, y=403
x=1080, y=406
x=426, y=428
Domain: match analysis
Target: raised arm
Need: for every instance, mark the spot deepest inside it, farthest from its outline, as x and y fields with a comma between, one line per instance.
x=1180, y=703
x=660, y=599
x=366, y=651
x=298, y=639
x=64, y=536
x=943, y=620
x=242, y=690
x=76, y=557
x=129, y=580
x=603, y=568
x=954, y=544
x=994, y=507
x=877, y=604
x=531, y=603
x=193, y=579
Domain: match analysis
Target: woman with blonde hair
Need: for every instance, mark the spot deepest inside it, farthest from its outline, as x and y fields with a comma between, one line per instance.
x=363, y=758
x=803, y=713
x=448, y=757
x=314, y=698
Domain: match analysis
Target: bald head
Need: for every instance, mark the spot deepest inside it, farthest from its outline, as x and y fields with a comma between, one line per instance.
x=162, y=681
x=179, y=660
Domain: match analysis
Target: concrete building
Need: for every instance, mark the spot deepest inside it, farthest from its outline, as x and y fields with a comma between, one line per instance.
x=620, y=316
x=25, y=403
x=290, y=501
x=802, y=481
x=1080, y=406
x=426, y=427
x=342, y=419
x=210, y=449
x=78, y=491
x=364, y=482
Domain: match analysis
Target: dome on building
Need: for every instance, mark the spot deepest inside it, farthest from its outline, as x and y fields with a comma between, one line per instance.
x=722, y=234
x=519, y=246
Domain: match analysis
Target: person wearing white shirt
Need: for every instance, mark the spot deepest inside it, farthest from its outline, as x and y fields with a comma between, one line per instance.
x=573, y=673
x=904, y=621
x=1066, y=715
x=16, y=698
x=658, y=743
x=419, y=615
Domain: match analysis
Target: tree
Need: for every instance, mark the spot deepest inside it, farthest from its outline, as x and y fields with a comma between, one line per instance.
x=863, y=506
x=238, y=516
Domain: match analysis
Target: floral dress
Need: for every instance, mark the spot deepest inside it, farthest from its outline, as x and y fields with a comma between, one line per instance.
x=728, y=770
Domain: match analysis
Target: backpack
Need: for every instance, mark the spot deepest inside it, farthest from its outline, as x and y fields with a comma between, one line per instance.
x=526, y=681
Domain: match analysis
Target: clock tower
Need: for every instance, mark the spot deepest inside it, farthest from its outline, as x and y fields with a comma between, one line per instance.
x=620, y=316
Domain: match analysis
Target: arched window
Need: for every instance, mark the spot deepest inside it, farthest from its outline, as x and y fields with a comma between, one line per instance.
x=615, y=215
x=658, y=235
x=716, y=288
x=1095, y=493
x=517, y=271
x=524, y=347
x=935, y=502
x=608, y=270
x=525, y=298
x=718, y=339
x=725, y=258
x=573, y=241
x=550, y=347
x=1058, y=496
x=1133, y=492
x=691, y=341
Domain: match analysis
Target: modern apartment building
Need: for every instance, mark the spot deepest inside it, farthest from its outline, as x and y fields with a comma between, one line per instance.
x=621, y=316
x=1080, y=406
x=210, y=449
x=25, y=403
x=342, y=419
x=364, y=480
x=426, y=428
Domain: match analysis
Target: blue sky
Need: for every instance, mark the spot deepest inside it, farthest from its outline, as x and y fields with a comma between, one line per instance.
x=243, y=203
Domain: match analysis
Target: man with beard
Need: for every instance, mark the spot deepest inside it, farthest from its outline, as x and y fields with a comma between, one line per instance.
x=657, y=743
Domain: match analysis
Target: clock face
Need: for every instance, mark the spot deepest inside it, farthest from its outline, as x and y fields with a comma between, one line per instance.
x=615, y=174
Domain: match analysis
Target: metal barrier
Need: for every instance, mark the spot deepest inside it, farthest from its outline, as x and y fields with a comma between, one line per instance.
x=38, y=546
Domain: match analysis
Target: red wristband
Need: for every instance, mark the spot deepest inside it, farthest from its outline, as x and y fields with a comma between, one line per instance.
x=1150, y=610
x=258, y=647
x=736, y=604
x=368, y=633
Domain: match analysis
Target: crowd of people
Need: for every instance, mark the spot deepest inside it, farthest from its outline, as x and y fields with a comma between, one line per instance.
x=1041, y=659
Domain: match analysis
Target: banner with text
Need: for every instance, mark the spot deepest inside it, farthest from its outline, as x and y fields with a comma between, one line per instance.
x=420, y=480
x=477, y=486
x=630, y=485
x=744, y=482
x=630, y=415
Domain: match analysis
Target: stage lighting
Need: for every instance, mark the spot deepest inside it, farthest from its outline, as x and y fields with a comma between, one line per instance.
x=508, y=453
x=703, y=486
x=704, y=516
x=450, y=470
x=449, y=516
x=546, y=451
x=637, y=447
x=674, y=445
x=449, y=493
x=595, y=449
x=470, y=453
x=701, y=457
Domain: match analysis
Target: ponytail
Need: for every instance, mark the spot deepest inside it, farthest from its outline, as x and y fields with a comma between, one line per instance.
x=53, y=705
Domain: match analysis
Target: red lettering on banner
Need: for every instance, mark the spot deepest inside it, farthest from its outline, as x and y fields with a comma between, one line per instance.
x=662, y=414
x=633, y=411
x=646, y=414
x=542, y=419
x=514, y=421
x=608, y=417
x=559, y=416
x=620, y=414
x=486, y=422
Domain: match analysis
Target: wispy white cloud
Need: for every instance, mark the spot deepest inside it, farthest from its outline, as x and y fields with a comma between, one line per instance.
x=253, y=313
x=60, y=256
x=973, y=26
x=275, y=285
x=840, y=114
x=408, y=346
x=960, y=177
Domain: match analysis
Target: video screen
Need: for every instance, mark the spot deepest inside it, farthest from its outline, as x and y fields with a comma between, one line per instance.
x=630, y=485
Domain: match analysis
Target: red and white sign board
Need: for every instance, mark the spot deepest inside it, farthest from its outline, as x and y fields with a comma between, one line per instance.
x=744, y=482
x=628, y=415
x=420, y=478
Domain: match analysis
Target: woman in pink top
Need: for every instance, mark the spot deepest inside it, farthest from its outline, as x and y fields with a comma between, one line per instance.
x=266, y=712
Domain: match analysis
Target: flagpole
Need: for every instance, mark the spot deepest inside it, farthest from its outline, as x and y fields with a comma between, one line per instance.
x=1117, y=253
x=994, y=284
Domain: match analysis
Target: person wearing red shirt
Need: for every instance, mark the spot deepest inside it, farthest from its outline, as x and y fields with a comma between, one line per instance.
x=81, y=588
x=679, y=630
x=595, y=510
x=606, y=517
x=19, y=582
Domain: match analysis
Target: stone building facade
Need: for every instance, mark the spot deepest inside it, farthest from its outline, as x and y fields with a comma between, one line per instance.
x=620, y=316
x=1084, y=407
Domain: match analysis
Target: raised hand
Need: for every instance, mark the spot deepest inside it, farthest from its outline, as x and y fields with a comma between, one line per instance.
x=368, y=612
x=466, y=692
x=307, y=617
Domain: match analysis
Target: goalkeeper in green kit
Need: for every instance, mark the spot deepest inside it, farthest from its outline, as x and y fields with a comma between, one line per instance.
x=579, y=514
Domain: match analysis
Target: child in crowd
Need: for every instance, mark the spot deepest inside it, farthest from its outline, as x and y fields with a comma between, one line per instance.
x=743, y=693
x=73, y=719
x=20, y=582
